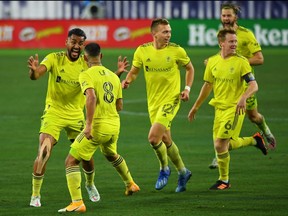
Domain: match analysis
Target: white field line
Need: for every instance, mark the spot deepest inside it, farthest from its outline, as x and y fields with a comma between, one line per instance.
x=133, y=113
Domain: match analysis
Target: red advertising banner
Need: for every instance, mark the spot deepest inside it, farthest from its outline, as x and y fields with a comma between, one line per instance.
x=53, y=33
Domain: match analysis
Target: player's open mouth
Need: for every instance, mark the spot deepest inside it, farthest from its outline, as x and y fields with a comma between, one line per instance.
x=75, y=52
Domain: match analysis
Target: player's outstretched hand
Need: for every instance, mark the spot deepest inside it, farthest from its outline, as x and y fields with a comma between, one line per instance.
x=33, y=62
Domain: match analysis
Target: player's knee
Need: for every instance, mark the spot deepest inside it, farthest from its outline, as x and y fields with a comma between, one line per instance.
x=71, y=161
x=153, y=140
x=112, y=158
x=45, y=150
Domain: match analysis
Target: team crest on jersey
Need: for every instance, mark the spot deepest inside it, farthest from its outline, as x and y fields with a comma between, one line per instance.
x=168, y=59
x=232, y=70
x=84, y=83
x=148, y=60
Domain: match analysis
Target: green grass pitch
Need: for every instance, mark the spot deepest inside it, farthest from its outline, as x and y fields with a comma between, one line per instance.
x=259, y=183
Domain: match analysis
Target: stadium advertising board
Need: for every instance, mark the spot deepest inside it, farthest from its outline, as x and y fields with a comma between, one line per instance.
x=131, y=33
x=190, y=33
x=51, y=34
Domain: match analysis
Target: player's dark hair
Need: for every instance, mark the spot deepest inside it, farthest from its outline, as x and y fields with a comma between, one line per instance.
x=231, y=5
x=223, y=32
x=92, y=49
x=158, y=21
x=78, y=32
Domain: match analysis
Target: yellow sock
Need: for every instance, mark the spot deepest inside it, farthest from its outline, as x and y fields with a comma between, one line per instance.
x=174, y=155
x=161, y=153
x=89, y=176
x=241, y=142
x=223, y=164
x=121, y=167
x=73, y=176
x=36, y=184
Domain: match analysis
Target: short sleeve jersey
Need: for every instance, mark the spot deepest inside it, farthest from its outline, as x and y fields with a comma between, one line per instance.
x=108, y=89
x=64, y=92
x=161, y=71
x=226, y=75
x=247, y=43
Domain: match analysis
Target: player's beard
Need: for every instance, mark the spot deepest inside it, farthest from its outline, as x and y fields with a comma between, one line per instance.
x=73, y=54
x=228, y=24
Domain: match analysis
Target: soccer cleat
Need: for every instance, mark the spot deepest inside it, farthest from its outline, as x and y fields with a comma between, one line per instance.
x=131, y=188
x=220, y=185
x=162, y=179
x=93, y=193
x=182, y=180
x=35, y=201
x=74, y=207
x=271, y=141
x=214, y=164
x=260, y=143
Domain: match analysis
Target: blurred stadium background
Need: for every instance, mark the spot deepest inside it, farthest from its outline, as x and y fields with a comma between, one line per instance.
x=125, y=24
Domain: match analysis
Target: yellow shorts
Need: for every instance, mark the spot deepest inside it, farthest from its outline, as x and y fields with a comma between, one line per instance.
x=82, y=148
x=165, y=113
x=52, y=123
x=226, y=124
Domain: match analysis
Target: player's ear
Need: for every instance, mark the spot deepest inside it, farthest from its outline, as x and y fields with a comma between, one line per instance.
x=101, y=55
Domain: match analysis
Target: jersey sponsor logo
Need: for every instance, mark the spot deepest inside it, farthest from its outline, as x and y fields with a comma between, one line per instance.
x=151, y=69
x=69, y=82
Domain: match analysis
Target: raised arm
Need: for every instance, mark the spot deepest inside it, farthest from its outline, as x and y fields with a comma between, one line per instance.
x=122, y=64
x=35, y=70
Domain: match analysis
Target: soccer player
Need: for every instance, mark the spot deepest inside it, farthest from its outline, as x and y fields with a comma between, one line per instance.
x=103, y=92
x=161, y=61
x=225, y=74
x=63, y=108
x=249, y=47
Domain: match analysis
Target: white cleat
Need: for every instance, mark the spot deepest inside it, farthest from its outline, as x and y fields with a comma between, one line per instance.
x=93, y=193
x=35, y=201
x=214, y=164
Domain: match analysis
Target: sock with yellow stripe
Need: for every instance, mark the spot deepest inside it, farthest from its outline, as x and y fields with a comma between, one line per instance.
x=174, y=156
x=73, y=176
x=121, y=167
x=223, y=165
x=36, y=184
x=161, y=153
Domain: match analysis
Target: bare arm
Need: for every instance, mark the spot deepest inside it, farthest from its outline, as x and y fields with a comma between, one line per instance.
x=90, y=109
x=204, y=93
x=256, y=59
x=119, y=104
x=35, y=70
x=122, y=64
x=251, y=89
x=131, y=76
x=188, y=81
